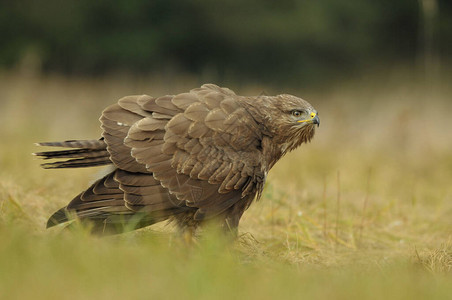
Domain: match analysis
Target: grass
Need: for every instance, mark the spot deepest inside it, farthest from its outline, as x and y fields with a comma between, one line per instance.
x=362, y=212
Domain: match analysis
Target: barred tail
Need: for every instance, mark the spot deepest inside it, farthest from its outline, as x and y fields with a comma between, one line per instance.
x=86, y=153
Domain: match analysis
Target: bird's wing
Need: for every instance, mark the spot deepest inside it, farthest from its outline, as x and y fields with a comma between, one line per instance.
x=202, y=146
x=117, y=119
x=142, y=192
x=114, y=207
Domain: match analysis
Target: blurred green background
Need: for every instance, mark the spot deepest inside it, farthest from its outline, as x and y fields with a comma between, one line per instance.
x=292, y=43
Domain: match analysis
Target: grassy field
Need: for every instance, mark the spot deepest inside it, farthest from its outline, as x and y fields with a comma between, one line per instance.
x=363, y=212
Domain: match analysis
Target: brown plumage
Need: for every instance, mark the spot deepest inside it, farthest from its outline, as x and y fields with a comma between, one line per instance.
x=190, y=157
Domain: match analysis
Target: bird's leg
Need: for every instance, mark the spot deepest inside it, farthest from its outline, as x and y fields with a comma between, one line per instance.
x=186, y=227
x=230, y=227
x=188, y=235
x=232, y=217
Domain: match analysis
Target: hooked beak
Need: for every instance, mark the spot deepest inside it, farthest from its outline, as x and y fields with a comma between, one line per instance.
x=316, y=120
x=313, y=120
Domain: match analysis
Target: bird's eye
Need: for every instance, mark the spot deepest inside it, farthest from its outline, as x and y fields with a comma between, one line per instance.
x=296, y=113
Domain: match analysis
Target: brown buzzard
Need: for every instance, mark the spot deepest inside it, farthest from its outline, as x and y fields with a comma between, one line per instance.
x=190, y=157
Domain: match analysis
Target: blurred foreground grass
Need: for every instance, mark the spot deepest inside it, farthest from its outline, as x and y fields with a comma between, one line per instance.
x=362, y=212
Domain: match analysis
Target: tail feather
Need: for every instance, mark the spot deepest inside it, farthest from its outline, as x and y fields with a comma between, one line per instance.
x=72, y=153
x=84, y=144
x=78, y=163
x=89, y=153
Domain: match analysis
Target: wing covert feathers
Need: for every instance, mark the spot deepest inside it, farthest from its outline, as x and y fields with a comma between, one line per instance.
x=203, y=145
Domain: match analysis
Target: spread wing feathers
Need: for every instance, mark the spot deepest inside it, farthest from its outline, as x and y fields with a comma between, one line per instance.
x=202, y=146
x=87, y=153
x=118, y=199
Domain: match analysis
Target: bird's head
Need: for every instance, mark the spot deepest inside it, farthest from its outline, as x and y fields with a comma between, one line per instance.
x=290, y=120
x=294, y=111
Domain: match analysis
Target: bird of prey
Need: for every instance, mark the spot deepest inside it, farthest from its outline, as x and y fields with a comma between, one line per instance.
x=189, y=158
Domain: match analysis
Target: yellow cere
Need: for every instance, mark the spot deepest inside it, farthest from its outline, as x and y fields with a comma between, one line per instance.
x=313, y=114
